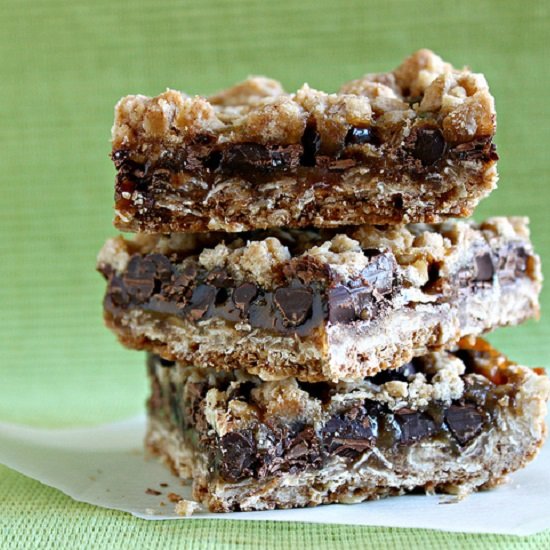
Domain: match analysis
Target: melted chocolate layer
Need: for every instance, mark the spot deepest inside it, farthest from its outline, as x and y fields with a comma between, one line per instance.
x=304, y=300
x=308, y=294
x=270, y=447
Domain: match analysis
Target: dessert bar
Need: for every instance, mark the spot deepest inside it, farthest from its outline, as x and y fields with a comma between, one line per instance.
x=318, y=305
x=411, y=145
x=450, y=421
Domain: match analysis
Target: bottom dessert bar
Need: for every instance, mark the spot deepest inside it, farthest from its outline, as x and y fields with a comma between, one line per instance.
x=451, y=421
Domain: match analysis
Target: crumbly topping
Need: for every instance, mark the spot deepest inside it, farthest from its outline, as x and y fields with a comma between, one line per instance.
x=114, y=253
x=344, y=255
x=415, y=248
x=255, y=260
x=440, y=379
x=259, y=110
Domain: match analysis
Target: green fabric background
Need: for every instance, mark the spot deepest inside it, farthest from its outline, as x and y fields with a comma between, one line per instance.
x=63, y=67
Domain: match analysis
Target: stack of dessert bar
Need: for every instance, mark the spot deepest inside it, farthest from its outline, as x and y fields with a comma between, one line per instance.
x=311, y=310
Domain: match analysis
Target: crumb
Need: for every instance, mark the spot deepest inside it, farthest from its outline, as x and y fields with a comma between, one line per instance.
x=153, y=492
x=92, y=478
x=173, y=497
x=163, y=503
x=164, y=484
x=186, y=508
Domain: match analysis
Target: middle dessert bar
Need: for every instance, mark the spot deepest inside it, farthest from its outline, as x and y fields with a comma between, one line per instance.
x=318, y=305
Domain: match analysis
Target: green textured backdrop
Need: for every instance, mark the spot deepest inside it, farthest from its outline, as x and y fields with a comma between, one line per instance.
x=63, y=67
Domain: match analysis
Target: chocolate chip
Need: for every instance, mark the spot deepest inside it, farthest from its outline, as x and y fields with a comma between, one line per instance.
x=414, y=425
x=165, y=362
x=238, y=452
x=371, y=252
x=117, y=293
x=403, y=374
x=464, y=422
x=139, y=279
x=302, y=450
x=360, y=136
x=484, y=268
x=350, y=433
x=163, y=267
x=429, y=145
x=294, y=304
x=243, y=295
x=213, y=160
x=201, y=300
x=311, y=142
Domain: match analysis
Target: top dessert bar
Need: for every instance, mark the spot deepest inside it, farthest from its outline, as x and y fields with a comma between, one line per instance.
x=411, y=145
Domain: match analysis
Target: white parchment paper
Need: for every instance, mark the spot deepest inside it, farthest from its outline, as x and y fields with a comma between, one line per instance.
x=105, y=466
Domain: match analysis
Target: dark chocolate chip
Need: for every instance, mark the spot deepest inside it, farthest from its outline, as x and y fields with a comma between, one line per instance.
x=202, y=299
x=213, y=160
x=243, y=295
x=165, y=362
x=117, y=293
x=464, y=422
x=221, y=296
x=302, y=450
x=397, y=201
x=294, y=304
x=371, y=252
x=238, y=453
x=350, y=433
x=429, y=145
x=163, y=267
x=484, y=268
x=139, y=278
x=414, y=425
x=403, y=374
x=311, y=142
x=360, y=136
